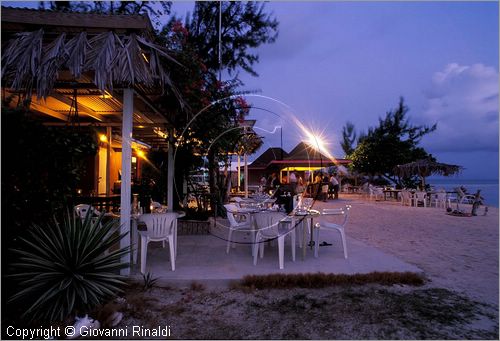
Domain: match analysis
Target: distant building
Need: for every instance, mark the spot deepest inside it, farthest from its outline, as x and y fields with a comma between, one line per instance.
x=302, y=160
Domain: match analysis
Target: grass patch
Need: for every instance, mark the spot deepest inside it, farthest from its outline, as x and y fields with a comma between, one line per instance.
x=322, y=280
x=343, y=312
x=196, y=286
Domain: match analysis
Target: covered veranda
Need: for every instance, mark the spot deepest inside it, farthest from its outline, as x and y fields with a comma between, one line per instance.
x=83, y=69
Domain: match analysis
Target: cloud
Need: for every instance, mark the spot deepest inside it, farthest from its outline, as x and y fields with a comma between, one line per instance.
x=463, y=100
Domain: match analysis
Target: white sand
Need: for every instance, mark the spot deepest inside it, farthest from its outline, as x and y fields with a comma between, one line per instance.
x=459, y=253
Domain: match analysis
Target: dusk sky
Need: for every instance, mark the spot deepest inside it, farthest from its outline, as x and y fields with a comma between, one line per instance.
x=335, y=62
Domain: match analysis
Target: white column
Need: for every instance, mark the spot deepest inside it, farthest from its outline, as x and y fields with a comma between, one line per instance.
x=245, y=158
x=170, y=171
x=108, y=161
x=239, y=173
x=127, y=121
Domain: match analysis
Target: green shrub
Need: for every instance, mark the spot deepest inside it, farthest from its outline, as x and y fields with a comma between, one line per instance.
x=67, y=268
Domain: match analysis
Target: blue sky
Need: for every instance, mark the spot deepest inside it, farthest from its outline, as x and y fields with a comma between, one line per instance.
x=337, y=62
x=351, y=61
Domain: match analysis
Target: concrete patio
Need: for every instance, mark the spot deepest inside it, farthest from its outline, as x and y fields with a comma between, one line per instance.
x=203, y=258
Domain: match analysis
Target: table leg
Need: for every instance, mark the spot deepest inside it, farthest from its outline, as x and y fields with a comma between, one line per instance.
x=305, y=227
x=311, y=227
x=253, y=232
x=133, y=240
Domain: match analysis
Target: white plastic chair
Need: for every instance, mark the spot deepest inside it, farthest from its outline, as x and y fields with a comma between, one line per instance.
x=406, y=198
x=237, y=200
x=375, y=192
x=160, y=227
x=155, y=207
x=234, y=224
x=81, y=211
x=273, y=225
x=464, y=198
x=420, y=197
x=337, y=227
x=439, y=199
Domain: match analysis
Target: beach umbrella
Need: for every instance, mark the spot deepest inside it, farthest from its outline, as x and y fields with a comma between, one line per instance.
x=426, y=167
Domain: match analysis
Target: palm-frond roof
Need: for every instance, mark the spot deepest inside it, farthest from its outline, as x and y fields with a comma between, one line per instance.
x=51, y=58
x=426, y=167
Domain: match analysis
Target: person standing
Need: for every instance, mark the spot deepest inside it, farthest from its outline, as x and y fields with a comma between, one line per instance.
x=293, y=182
x=274, y=181
x=263, y=183
x=324, y=188
x=335, y=185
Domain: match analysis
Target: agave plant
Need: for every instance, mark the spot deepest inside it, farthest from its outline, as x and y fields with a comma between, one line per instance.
x=68, y=268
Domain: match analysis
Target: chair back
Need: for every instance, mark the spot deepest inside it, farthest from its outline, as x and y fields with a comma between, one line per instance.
x=268, y=222
x=405, y=196
x=82, y=210
x=155, y=206
x=296, y=200
x=460, y=192
x=237, y=200
x=306, y=203
x=420, y=196
x=440, y=196
x=231, y=209
x=159, y=224
x=344, y=211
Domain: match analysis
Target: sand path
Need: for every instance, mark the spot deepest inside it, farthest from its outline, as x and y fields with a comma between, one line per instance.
x=459, y=253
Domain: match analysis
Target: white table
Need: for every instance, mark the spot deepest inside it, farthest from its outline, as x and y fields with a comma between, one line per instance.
x=308, y=216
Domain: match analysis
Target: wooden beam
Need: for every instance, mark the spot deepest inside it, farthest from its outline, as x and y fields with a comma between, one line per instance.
x=81, y=108
x=38, y=107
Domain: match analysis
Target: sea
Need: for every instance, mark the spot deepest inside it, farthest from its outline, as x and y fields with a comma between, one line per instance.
x=489, y=188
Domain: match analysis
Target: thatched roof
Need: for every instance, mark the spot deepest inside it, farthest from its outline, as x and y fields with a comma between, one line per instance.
x=426, y=167
x=31, y=63
x=40, y=47
x=69, y=60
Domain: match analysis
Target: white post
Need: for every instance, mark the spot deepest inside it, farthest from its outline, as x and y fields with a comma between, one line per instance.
x=108, y=160
x=239, y=173
x=127, y=121
x=170, y=171
x=246, y=174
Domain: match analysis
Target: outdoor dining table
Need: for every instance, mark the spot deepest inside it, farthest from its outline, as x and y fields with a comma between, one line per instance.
x=392, y=193
x=251, y=211
x=308, y=216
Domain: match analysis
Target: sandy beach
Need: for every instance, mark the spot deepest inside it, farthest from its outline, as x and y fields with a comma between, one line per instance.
x=458, y=253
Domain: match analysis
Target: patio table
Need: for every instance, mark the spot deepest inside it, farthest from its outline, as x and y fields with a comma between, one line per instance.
x=392, y=193
x=308, y=216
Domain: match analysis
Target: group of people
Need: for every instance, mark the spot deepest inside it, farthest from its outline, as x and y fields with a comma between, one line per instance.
x=330, y=186
x=323, y=186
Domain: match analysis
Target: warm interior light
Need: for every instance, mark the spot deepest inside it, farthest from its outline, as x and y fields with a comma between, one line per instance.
x=134, y=159
x=141, y=154
x=159, y=132
x=103, y=138
x=106, y=95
